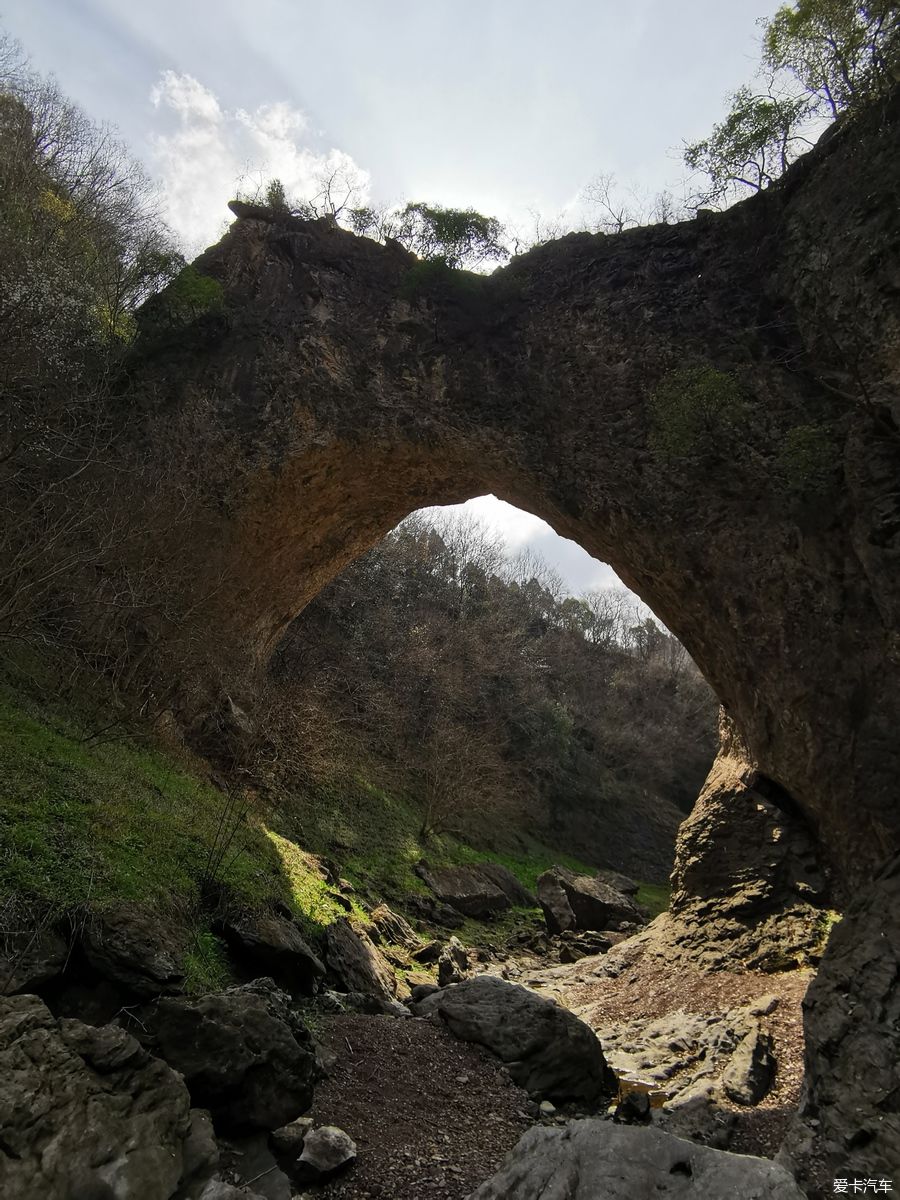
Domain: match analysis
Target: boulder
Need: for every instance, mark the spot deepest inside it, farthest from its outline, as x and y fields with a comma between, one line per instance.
x=547, y=1050
x=389, y=927
x=272, y=946
x=517, y=894
x=576, y=944
x=453, y=965
x=357, y=963
x=245, y=1054
x=466, y=889
x=427, y=908
x=578, y=902
x=601, y=1160
x=134, y=950
x=614, y=879
x=85, y=1111
x=325, y=1152
x=30, y=959
x=218, y=1189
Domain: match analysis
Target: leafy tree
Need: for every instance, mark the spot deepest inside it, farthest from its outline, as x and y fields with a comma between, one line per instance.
x=454, y=237
x=753, y=145
x=820, y=57
x=841, y=51
x=275, y=196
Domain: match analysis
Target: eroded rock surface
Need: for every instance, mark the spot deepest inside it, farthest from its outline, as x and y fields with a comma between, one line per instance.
x=848, y=1122
x=599, y=1160
x=85, y=1111
x=748, y=888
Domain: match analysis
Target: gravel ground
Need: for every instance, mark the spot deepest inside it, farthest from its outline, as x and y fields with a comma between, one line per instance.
x=432, y=1117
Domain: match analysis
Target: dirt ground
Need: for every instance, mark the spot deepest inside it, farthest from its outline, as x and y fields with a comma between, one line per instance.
x=432, y=1117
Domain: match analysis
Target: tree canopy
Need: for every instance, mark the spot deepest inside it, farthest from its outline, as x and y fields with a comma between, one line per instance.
x=820, y=58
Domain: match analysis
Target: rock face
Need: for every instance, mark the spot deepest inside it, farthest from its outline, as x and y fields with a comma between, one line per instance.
x=747, y=888
x=547, y=1050
x=85, y=1111
x=599, y=1160
x=467, y=889
x=274, y=947
x=244, y=1054
x=573, y=902
x=358, y=963
x=849, y=1114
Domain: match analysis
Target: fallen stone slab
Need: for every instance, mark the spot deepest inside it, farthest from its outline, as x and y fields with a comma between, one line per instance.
x=600, y=1160
x=577, y=902
x=467, y=889
x=358, y=964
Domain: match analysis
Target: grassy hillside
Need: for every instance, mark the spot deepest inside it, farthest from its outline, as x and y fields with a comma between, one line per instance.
x=87, y=824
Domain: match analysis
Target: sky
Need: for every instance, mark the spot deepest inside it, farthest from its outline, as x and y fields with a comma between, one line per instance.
x=507, y=106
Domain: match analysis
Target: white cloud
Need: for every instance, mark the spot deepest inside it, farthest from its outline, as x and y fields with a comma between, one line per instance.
x=205, y=154
x=186, y=96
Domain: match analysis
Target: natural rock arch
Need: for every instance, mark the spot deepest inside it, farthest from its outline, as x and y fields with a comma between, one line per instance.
x=352, y=385
x=344, y=385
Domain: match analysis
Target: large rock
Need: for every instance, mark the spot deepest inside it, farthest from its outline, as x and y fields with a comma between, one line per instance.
x=848, y=1122
x=245, y=1054
x=357, y=963
x=599, y=1160
x=467, y=889
x=573, y=901
x=135, y=950
x=547, y=1049
x=273, y=946
x=85, y=1111
x=393, y=929
x=453, y=965
x=501, y=877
